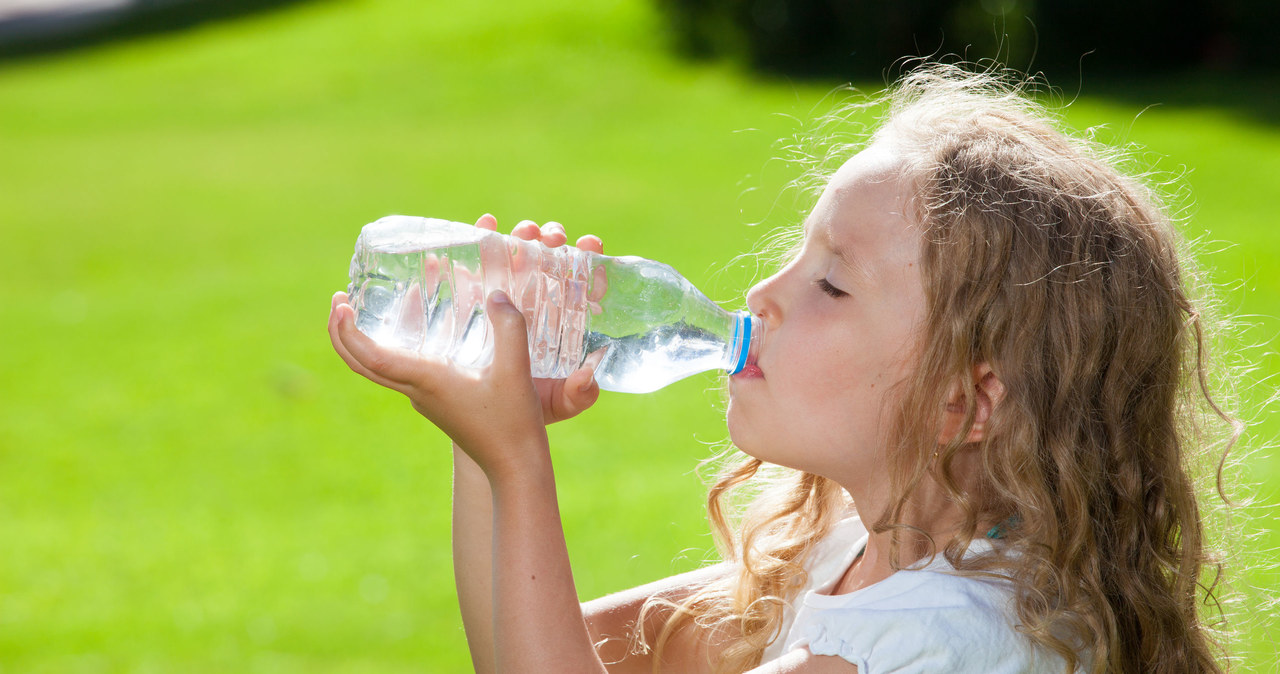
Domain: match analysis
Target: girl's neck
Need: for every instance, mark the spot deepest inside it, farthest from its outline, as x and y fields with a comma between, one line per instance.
x=874, y=562
x=935, y=519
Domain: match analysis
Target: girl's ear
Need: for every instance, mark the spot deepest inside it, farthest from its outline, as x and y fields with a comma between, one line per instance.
x=988, y=391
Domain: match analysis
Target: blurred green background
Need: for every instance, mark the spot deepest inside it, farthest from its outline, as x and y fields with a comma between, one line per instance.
x=190, y=481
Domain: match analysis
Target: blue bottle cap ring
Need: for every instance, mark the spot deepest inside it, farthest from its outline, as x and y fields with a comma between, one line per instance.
x=743, y=333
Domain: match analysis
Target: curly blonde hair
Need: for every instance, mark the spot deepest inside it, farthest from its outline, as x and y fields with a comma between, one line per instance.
x=1043, y=259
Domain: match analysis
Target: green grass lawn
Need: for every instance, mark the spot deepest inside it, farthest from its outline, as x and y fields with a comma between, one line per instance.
x=191, y=481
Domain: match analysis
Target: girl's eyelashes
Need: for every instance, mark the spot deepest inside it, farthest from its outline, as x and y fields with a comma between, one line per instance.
x=825, y=286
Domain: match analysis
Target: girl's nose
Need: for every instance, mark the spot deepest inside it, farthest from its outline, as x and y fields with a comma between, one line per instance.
x=761, y=301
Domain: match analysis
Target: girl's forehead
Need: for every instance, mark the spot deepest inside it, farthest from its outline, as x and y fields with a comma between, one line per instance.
x=871, y=185
x=862, y=212
x=878, y=162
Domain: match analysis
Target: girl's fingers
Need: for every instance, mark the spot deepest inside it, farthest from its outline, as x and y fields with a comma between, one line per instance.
x=568, y=398
x=510, y=336
x=580, y=391
x=553, y=235
x=590, y=242
x=487, y=221
x=336, y=315
x=581, y=379
x=386, y=367
x=527, y=230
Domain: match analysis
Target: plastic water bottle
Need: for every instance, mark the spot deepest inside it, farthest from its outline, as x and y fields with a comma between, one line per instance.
x=421, y=284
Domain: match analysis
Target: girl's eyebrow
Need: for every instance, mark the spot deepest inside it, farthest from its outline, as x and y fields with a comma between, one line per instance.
x=847, y=257
x=851, y=261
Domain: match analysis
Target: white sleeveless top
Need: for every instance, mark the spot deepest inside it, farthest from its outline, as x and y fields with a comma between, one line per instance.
x=917, y=620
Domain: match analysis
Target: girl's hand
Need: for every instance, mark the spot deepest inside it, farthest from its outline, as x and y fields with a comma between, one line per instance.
x=487, y=411
x=561, y=398
x=477, y=408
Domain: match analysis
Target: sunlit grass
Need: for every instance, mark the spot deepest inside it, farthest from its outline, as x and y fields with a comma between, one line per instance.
x=191, y=481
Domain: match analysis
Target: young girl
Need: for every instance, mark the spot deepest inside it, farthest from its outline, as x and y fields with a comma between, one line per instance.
x=971, y=432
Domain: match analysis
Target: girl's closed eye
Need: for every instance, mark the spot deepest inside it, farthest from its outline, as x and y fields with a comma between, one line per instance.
x=825, y=286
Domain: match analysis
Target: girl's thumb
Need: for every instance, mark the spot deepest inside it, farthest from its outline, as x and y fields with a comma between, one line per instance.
x=510, y=336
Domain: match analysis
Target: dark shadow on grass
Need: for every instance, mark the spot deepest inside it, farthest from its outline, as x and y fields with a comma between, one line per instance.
x=1250, y=96
x=71, y=26
x=1254, y=97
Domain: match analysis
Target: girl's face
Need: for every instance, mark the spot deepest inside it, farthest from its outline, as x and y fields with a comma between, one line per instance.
x=840, y=329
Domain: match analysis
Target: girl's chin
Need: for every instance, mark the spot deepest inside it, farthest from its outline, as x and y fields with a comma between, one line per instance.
x=740, y=432
x=732, y=420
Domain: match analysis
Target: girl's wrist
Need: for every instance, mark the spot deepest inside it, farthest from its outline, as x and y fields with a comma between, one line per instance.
x=464, y=465
x=515, y=464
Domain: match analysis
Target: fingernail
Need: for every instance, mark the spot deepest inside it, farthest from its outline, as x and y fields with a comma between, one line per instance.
x=586, y=386
x=500, y=297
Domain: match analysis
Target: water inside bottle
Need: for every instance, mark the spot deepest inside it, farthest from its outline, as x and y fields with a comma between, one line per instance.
x=648, y=362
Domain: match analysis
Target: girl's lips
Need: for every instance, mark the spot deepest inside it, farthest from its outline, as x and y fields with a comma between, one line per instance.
x=749, y=372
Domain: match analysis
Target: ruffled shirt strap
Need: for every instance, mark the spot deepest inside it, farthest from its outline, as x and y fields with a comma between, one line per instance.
x=827, y=562
x=922, y=619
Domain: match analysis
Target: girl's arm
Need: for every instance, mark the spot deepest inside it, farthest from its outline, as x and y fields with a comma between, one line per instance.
x=612, y=620
x=472, y=557
x=505, y=513
x=472, y=498
x=495, y=415
x=538, y=625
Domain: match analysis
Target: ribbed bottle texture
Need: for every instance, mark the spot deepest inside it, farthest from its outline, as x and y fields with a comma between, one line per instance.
x=421, y=283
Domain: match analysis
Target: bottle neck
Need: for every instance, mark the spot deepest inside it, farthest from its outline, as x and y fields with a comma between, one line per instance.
x=744, y=348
